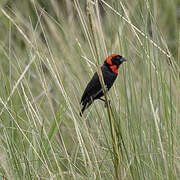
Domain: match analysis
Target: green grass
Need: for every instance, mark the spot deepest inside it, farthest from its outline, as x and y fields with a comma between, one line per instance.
x=49, y=50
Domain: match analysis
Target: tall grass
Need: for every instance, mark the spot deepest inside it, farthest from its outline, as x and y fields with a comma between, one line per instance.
x=49, y=51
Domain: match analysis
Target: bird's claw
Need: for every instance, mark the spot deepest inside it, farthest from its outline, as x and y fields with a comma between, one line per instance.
x=106, y=104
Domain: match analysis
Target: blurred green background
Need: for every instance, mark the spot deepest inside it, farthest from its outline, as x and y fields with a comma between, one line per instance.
x=49, y=50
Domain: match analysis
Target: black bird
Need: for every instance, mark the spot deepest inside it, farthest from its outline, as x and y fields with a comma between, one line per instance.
x=94, y=89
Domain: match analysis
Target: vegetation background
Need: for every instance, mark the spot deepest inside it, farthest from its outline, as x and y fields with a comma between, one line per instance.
x=49, y=50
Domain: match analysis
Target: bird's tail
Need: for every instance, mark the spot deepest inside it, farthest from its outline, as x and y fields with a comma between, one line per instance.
x=82, y=110
x=85, y=106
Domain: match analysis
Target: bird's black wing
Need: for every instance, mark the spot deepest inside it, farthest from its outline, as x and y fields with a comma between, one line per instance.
x=92, y=89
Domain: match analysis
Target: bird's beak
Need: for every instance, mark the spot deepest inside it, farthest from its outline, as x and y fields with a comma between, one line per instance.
x=123, y=59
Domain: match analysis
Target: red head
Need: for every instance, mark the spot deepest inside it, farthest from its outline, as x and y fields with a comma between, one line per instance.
x=114, y=61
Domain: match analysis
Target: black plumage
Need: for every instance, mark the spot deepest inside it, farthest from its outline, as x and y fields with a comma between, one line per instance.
x=94, y=89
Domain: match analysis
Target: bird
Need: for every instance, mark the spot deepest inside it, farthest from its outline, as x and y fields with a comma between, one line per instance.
x=94, y=89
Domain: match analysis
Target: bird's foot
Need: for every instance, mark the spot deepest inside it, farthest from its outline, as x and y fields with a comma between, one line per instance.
x=106, y=104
